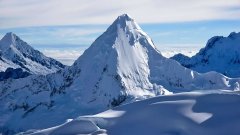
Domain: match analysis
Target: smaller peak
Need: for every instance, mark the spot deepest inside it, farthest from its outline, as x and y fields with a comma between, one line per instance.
x=234, y=34
x=211, y=42
x=10, y=36
x=9, y=39
x=10, y=33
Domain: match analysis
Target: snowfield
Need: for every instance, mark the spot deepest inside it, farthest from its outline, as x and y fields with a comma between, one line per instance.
x=191, y=113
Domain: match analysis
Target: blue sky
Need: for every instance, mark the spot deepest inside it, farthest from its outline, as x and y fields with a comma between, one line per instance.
x=194, y=33
x=63, y=29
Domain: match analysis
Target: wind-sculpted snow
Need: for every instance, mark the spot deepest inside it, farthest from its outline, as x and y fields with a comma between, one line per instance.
x=221, y=54
x=121, y=66
x=191, y=113
x=15, y=53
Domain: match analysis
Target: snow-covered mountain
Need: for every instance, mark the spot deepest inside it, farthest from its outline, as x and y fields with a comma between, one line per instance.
x=15, y=53
x=190, y=113
x=121, y=66
x=221, y=54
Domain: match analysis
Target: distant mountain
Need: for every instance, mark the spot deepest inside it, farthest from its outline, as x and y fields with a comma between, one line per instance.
x=17, y=54
x=221, y=54
x=121, y=66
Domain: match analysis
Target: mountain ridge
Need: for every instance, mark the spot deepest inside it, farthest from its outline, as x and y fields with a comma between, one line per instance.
x=16, y=53
x=208, y=58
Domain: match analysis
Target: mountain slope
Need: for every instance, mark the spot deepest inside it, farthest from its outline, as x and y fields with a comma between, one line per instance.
x=221, y=54
x=15, y=53
x=189, y=113
x=121, y=66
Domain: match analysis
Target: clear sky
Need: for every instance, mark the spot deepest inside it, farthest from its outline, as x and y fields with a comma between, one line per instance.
x=63, y=29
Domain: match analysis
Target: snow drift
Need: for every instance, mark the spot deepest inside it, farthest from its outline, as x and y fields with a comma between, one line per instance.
x=191, y=113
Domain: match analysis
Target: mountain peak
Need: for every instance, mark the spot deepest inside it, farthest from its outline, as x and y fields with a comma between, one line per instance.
x=123, y=31
x=9, y=39
x=10, y=36
x=21, y=55
x=124, y=17
x=234, y=35
x=124, y=22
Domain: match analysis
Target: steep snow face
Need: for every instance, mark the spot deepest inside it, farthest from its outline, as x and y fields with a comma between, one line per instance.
x=221, y=54
x=113, y=71
x=116, y=65
x=15, y=53
x=121, y=66
x=189, y=113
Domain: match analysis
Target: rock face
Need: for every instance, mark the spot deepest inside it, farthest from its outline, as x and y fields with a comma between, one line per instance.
x=221, y=54
x=13, y=73
x=17, y=54
x=121, y=66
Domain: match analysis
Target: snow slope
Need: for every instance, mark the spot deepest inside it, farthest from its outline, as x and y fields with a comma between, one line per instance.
x=221, y=54
x=191, y=113
x=121, y=66
x=15, y=53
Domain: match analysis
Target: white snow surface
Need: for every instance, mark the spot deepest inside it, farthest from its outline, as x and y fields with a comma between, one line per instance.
x=191, y=113
x=221, y=54
x=15, y=53
x=121, y=66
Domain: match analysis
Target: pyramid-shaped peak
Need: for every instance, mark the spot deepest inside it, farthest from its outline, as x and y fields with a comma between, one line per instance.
x=124, y=17
x=10, y=34
x=10, y=38
x=124, y=22
x=120, y=35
